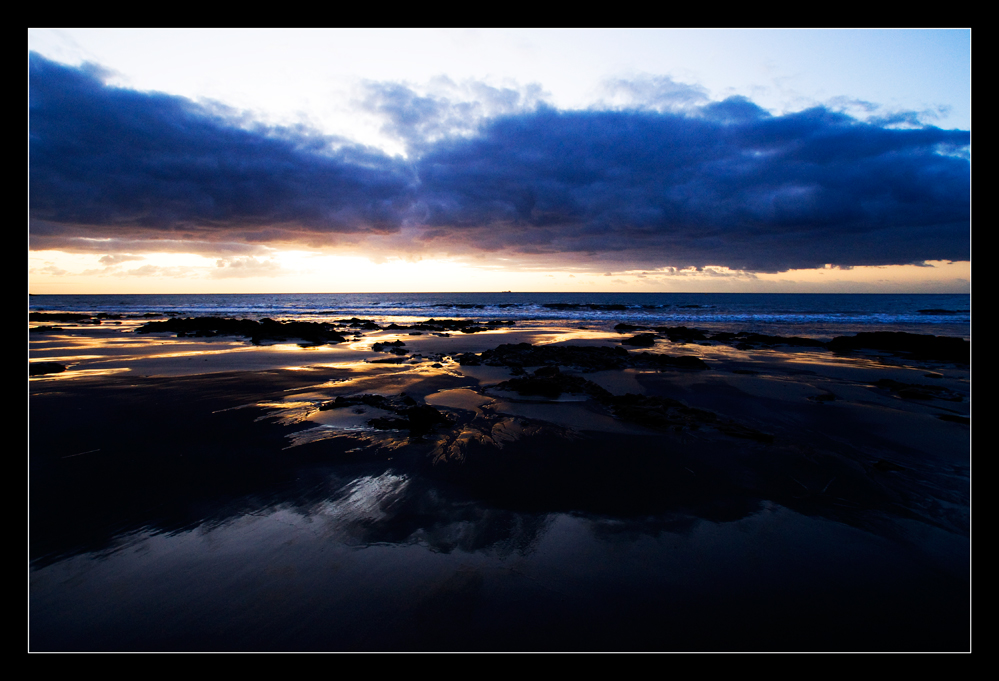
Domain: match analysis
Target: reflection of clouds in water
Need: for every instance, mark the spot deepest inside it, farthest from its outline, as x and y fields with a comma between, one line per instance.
x=364, y=436
x=396, y=509
x=366, y=499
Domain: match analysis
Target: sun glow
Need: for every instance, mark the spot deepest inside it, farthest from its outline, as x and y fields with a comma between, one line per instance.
x=57, y=272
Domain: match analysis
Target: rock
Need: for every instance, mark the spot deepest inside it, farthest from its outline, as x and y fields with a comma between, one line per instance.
x=915, y=391
x=825, y=397
x=581, y=358
x=60, y=317
x=424, y=418
x=524, y=354
x=395, y=347
x=648, y=360
x=666, y=413
x=418, y=419
x=312, y=333
x=643, y=340
x=916, y=346
x=42, y=368
x=646, y=410
x=681, y=334
x=750, y=340
x=550, y=382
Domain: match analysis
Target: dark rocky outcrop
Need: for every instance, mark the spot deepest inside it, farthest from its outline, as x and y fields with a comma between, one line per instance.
x=649, y=360
x=61, y=317
x=395, y=347
x=519, y=355
x=666, y=413
x=915, y=391
x=747, y=340
x=916, y=346
x=645, y=410
x=356, y=323
x=42, y=368
x=264, y=330
x=550, y=382
x=418, y=419
x=580, y=358
x=642, y=340
x=677, y=334
x=681, y=334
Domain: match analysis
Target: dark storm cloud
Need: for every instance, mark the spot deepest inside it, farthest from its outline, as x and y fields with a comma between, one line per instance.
x=680, y=182
x=119, y=160
x=727, y=184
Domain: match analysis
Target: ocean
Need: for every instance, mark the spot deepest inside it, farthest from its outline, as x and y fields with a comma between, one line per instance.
x=212, y=494
x=821, y=316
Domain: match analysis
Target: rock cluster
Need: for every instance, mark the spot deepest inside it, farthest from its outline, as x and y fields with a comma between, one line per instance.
x=646, y=410
x=916, y=391
x=395, y=347
x=418, y=419
x=581, y=358
x=462, y=325
x=312, y=333
x=916, y=346
x=913, y=345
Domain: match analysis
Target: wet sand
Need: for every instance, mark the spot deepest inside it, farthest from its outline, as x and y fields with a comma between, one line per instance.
x=205, y=494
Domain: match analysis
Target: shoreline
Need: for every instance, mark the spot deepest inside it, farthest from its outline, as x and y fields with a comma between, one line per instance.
x=133, y=447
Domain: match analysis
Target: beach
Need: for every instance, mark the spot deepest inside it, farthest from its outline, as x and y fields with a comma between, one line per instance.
x=456, y=488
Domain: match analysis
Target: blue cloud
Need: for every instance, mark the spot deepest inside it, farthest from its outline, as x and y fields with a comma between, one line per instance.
x=118, y=160
x=731, y=186
x=705, y=183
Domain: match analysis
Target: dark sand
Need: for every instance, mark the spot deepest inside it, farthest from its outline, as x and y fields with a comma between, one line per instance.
x=190, y=494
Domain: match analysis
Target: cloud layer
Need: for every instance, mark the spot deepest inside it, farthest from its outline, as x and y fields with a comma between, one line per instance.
x=667, y=179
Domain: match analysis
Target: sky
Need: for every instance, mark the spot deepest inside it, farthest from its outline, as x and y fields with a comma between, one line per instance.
x=286, y=161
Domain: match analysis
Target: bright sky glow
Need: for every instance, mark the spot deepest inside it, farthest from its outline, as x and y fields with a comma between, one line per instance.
x=340, y=83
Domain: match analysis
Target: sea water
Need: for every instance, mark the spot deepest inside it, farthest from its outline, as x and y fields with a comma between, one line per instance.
x=822, y=315
x=210, y=532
